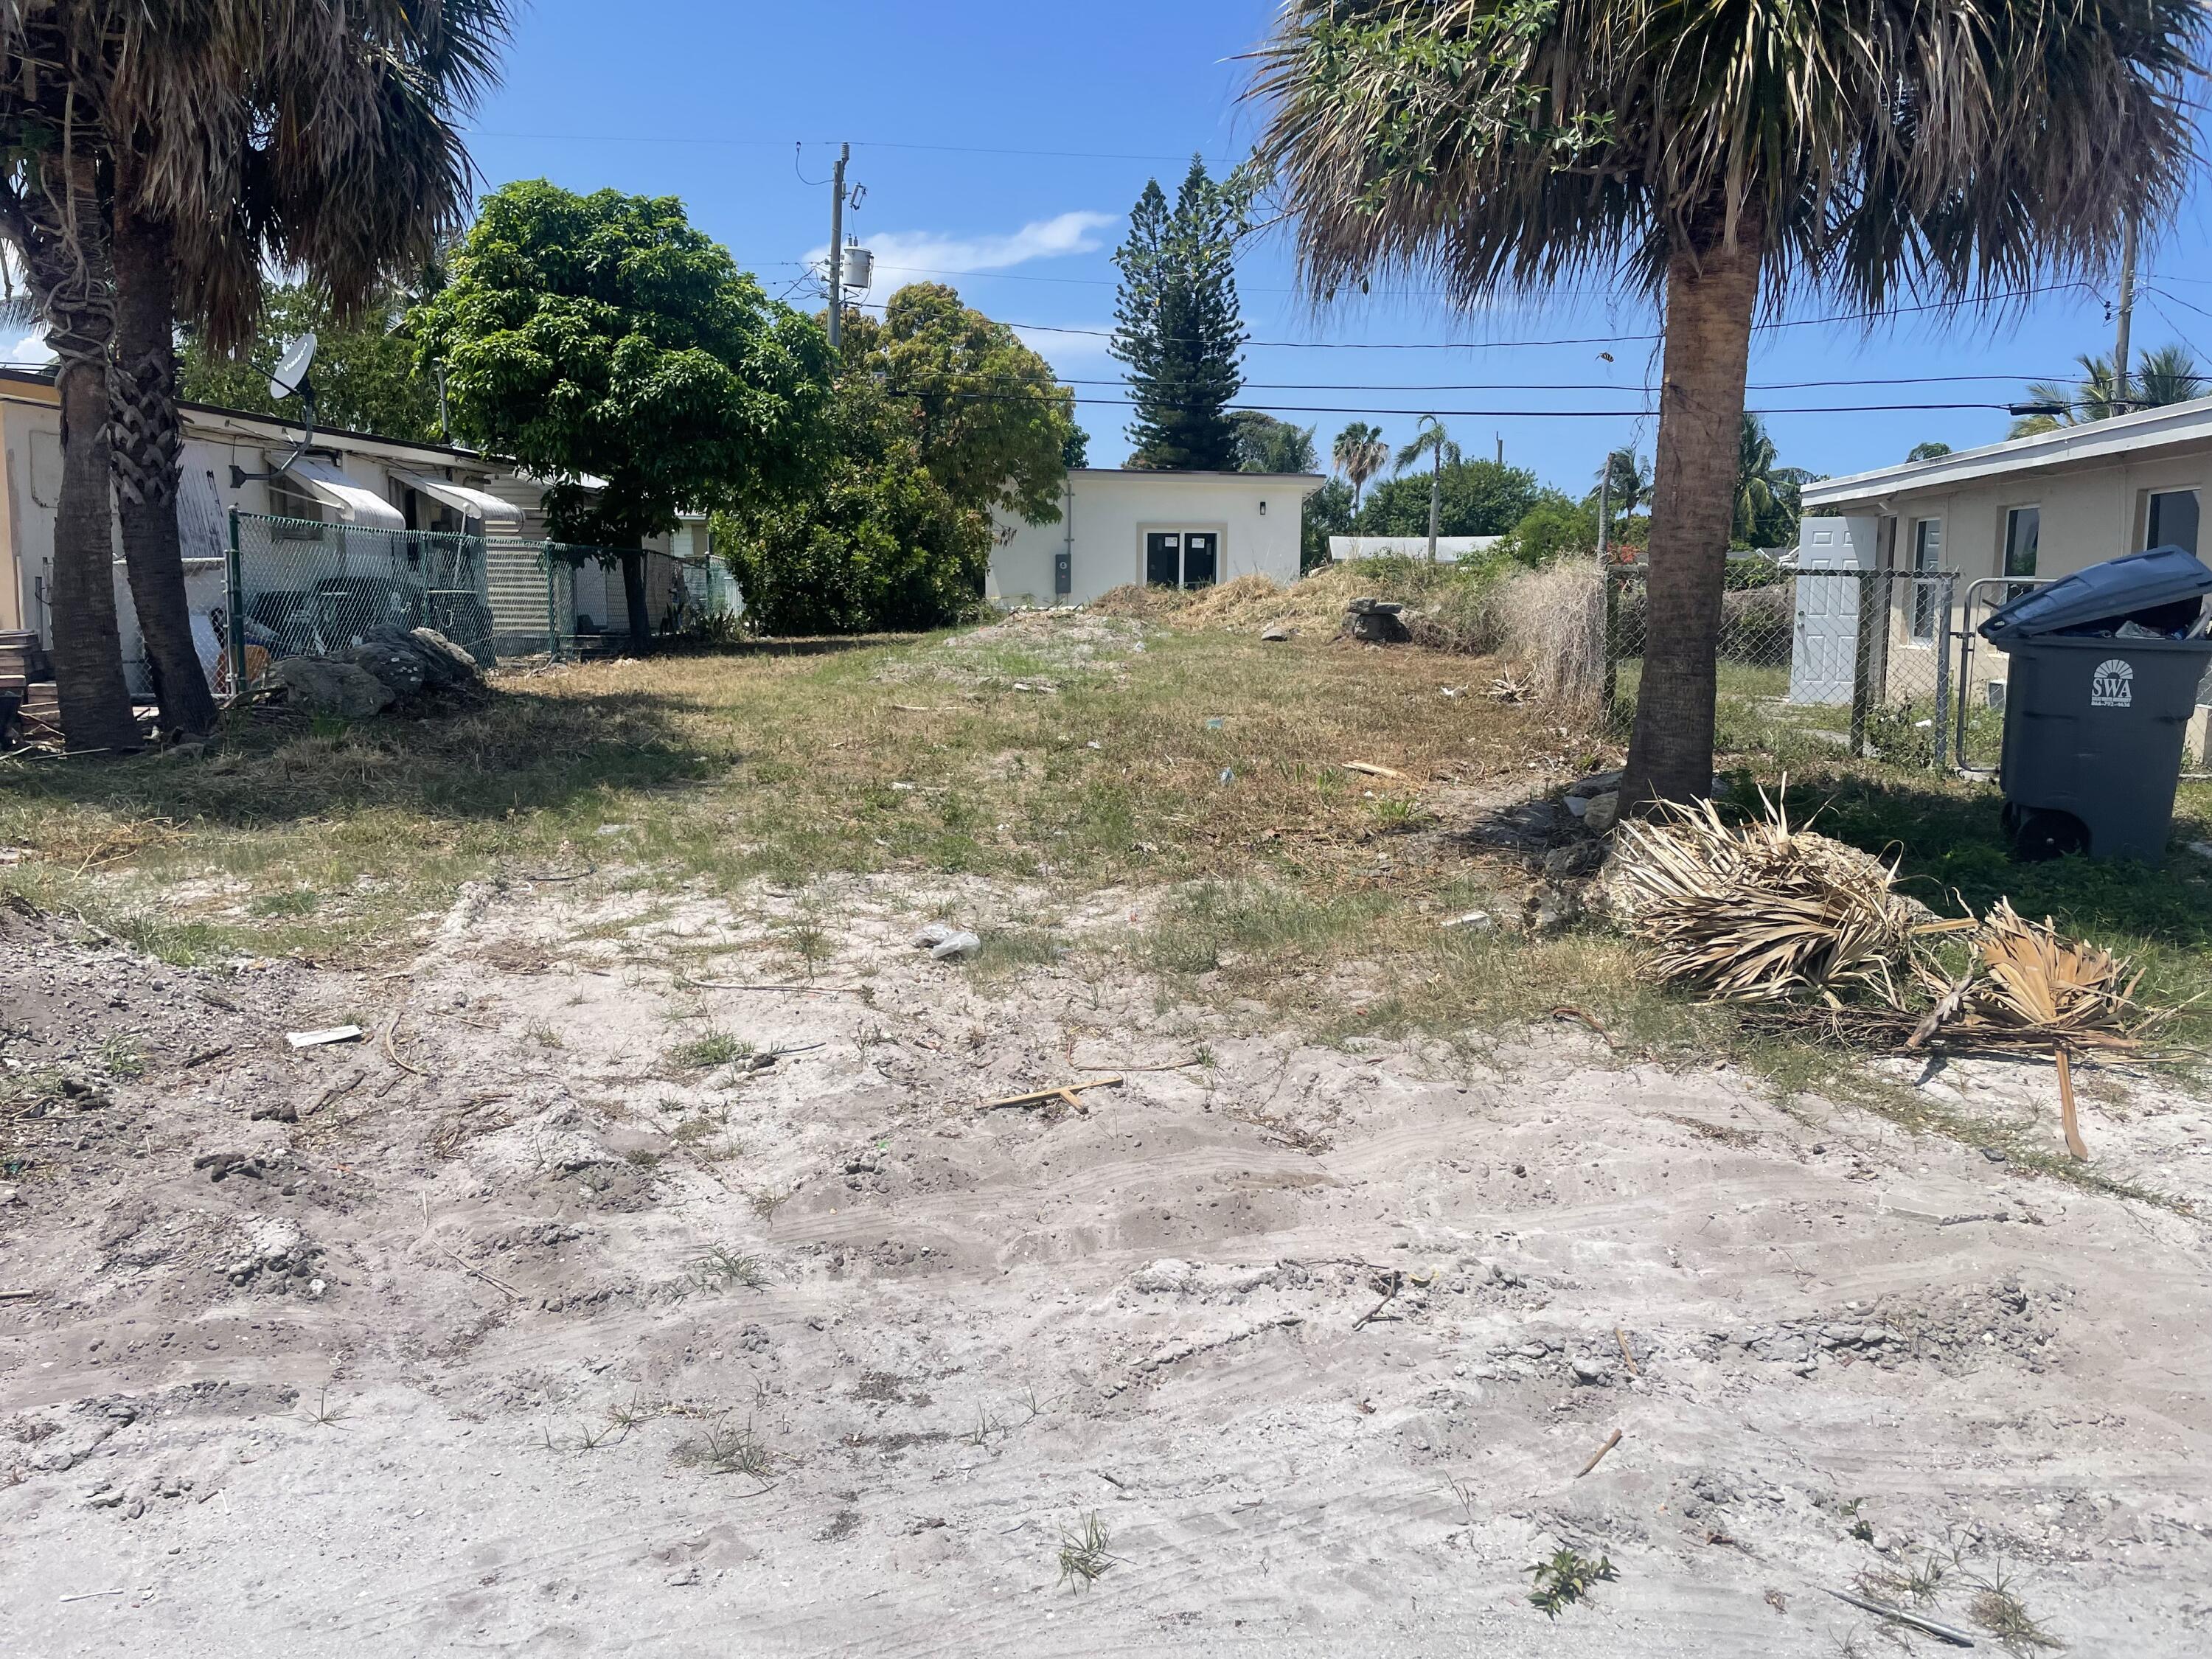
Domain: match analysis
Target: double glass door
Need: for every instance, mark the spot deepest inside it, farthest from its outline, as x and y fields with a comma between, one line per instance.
x=1182, y=558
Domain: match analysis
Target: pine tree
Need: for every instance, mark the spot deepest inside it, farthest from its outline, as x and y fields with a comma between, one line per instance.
x=1178, y=327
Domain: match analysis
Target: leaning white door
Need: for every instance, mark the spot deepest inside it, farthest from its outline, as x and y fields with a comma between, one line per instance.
x=1824, y=649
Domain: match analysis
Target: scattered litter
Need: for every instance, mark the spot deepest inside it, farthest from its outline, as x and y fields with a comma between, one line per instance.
x=1453, y=691
x=1957, y=1638
x=318, y=1039
x=1215, y=724
x=946, y=943
x=903, y=788
x=1228, y=774
x=1059, y=1091
x=1368, y=768
x=1598, y=1456
x=1276, y=632
x=90, y=1595
x=1481, y=920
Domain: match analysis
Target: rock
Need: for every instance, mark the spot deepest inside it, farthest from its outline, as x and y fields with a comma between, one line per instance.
x=1602, y=813
x=1371, y=607
x=955, y=947
x=398, y=667
x=1277, y=631
x=1380, y=624
x=1554, y=912
x=444, y=662
x=683, y=1576
x=274, y=1112
x=1598, y=783
x=332, y=687
x=1587, y=1371
x=753, y=1340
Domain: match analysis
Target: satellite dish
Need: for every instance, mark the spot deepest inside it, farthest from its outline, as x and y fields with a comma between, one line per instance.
x=291, y=371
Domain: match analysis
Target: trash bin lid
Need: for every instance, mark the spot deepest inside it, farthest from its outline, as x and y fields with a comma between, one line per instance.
x=2114, y=588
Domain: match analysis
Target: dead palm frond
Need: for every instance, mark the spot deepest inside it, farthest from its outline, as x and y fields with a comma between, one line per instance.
x=1760, y=912
x=2035, y=988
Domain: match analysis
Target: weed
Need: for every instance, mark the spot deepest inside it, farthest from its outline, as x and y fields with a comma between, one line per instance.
x=323, y=1413
x=286, y=902
x=986, y=1426
x=1920, y=1585
x=1083, y=1555
x=1861, y=1527
x=121, y=1057
x=543, y=1035
x=628, y=1416
x=766, y=1202
x=710, y=1049
x=1997, y=1609
x=1463, y=1491
x=1566, y=1578
x=722, y=1450
x=721, y=1265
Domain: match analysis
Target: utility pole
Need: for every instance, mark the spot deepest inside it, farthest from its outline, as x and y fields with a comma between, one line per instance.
x=1604, y=504
x=1501, y=449
x=837, y=248
x=2127, y=316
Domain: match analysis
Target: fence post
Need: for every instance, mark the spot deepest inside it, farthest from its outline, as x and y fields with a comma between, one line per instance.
x=1943, y=680
x=234, y=599
x=552, y=603
x=1863, y=661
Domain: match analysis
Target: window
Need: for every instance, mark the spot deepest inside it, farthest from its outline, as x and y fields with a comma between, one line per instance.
x=2023, y=528
x=1927, y=560
x=2171, y=520
x=1182, y=558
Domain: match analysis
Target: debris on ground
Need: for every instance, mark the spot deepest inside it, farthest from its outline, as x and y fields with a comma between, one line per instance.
x=391, y=664
x=327, y=1035
x=1759, y=912
x=947, y=943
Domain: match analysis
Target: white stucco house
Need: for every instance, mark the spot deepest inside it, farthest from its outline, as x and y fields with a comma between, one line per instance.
x=1123, y=525
x=1450, y=550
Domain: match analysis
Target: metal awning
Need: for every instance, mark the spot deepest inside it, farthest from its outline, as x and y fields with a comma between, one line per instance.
x=356, y=503
x=501, y=517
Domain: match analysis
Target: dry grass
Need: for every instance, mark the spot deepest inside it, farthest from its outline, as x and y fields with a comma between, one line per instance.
x=1549, y=624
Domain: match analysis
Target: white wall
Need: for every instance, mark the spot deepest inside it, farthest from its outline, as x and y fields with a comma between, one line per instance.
x=1109, y=513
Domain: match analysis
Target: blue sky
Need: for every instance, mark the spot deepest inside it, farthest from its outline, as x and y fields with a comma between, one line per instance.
x=704, y=101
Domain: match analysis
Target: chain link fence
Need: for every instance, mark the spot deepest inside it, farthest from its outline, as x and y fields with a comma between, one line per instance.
x=302, y=588
x=1840, y=662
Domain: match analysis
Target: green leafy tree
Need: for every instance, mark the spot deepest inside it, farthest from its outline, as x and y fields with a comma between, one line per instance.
x=1555, y=527
x=1359, y=454
x=1177, y=325
x=990, y=421
x=943, y=418
x=1265, y=444
x=366, y=377
x=1713, y=156
x=1934, y=449
x=877, y=543
x=602, y=335
x=1474, y=498
x=1329, y=511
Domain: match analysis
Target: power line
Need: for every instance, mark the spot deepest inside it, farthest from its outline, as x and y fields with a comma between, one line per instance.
x=1576, y=385
x=1571, y=340
x=1529, y=414
x=858, y=143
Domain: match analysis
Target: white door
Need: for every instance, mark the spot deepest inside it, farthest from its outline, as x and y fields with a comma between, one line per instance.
x=1824, y=649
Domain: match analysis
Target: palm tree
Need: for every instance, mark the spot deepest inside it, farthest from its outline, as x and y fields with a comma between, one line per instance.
x=1359, y=454
x=2167, y=375
x=52, y=214
x=1436, y=443
x=1758, y=488
x=329, y=146
x=1709, y=153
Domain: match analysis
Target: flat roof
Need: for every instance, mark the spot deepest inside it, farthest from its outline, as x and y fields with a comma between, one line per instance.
x=1154, y=473
x=2090, y=440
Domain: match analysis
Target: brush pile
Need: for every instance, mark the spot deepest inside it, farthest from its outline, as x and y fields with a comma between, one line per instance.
x=1810, y=931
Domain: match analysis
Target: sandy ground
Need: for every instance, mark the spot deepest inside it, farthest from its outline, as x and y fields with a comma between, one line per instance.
x=324, y=1349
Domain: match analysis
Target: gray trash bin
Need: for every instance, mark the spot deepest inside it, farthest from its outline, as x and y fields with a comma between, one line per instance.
x=2105, y=664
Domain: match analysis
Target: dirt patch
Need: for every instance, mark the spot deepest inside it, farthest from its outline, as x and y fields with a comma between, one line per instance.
x=520, y=1332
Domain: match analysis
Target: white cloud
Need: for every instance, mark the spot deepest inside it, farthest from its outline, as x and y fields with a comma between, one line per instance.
x=25, y=346
x=900, y=254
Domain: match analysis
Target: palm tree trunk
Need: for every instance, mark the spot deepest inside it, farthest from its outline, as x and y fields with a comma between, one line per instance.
x=68, y=267
x=149, y=448
x=1712, y=290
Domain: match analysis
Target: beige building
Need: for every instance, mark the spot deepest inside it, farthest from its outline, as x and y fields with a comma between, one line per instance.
x=1949, y=539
